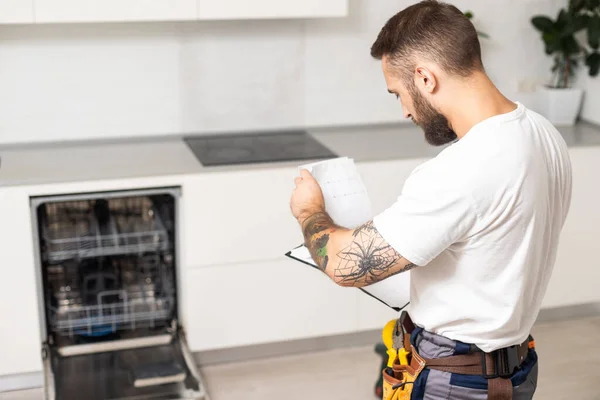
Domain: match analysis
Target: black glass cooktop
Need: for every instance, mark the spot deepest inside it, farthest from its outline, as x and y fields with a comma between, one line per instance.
x=249, y=148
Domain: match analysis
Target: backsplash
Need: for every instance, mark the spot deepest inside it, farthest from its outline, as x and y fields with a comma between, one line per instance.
x=73, y=82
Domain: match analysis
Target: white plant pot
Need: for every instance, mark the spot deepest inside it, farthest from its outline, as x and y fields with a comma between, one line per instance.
x=560, y=106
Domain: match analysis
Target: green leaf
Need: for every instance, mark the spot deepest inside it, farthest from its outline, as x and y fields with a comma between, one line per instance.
x=593, y=62
x=543, y=24
x=469, y=14
x=594, y=32
x=576, y=5
x=592, y=4
x=483, y=35
x=569, y=45
x=552, y=42
x=562, y=20
x=576, y=23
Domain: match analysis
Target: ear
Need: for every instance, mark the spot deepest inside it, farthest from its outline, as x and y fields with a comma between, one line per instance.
x=425, y=78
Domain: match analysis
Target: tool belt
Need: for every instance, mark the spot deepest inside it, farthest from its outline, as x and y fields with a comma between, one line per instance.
x=404, y=367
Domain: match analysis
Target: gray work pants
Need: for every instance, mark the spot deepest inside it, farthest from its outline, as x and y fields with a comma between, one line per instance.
x=438, y=385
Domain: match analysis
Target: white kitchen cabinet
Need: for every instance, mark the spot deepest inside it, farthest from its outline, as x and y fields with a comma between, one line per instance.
x=263, y=9
x=16, y=11
x=49, y=11
x=577, y=270
x=238, y=216
x=254, y=303
x=20, y=338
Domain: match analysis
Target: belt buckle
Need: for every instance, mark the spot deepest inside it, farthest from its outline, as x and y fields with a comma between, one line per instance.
x=506, y=360
x=511, y=361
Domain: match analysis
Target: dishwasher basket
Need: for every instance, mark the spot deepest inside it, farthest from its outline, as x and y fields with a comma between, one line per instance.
x=91, y=229
x=142, y=296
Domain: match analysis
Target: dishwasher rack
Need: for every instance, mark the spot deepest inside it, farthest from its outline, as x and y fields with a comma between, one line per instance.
x=94, y=229
x=142, y=295
x=108, y=318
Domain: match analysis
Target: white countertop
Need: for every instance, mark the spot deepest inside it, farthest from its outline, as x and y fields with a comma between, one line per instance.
x=166, y=156
x=84, y=162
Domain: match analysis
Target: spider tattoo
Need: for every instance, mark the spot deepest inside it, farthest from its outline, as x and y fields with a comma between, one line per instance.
x=369, y=257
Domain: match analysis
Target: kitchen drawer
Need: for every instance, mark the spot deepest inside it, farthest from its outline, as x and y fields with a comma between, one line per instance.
x=49, y=11
x=238, y=217
x=254, y=303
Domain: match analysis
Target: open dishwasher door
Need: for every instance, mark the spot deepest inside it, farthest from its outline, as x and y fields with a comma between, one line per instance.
x=108, y=291
x=133, y=370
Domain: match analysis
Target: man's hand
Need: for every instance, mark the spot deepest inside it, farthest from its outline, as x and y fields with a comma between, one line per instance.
x=307, y=197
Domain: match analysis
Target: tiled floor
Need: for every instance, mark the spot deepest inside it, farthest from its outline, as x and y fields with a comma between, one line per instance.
x=569, y=369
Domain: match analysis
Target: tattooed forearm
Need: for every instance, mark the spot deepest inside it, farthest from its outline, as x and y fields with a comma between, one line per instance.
x=351, y=258
x=368, y=259
x=317, y=229
x=316, y=223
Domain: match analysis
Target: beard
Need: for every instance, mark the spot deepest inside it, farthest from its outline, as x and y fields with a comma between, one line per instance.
x=435, y=126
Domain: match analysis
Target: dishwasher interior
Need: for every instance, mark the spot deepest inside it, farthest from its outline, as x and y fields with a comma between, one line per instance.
x=108, y=280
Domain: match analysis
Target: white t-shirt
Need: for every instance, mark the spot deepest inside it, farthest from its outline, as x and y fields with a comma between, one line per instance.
x=483, y=220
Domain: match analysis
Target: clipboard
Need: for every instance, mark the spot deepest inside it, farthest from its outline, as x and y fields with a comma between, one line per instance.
x=395, y=289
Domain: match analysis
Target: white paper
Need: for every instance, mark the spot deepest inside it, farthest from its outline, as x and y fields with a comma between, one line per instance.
x=346, y=199
x=347, y=203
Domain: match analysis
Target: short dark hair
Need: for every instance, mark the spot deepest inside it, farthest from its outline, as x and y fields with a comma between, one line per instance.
x=432, y=29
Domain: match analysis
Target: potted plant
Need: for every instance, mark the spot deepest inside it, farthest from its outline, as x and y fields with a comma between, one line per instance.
x=561, y=101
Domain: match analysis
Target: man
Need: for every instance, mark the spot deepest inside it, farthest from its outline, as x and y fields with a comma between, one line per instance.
x=478, y=225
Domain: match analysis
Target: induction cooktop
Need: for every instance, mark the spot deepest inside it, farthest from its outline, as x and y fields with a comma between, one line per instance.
x=260, y=147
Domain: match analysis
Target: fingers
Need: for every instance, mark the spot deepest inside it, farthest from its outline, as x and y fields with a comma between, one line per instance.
x=305, y=174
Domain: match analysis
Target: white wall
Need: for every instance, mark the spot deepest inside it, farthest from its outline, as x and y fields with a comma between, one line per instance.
x=77, y=81
x=71, y=82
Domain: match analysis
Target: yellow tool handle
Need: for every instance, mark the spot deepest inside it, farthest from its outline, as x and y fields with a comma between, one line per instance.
x=388, y=339
x=392, y=354
x=403, y=356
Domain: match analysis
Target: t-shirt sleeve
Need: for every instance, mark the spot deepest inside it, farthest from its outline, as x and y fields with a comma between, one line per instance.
x=422, y=223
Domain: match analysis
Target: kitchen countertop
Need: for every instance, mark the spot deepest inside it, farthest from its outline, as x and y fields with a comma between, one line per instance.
x=167, y=156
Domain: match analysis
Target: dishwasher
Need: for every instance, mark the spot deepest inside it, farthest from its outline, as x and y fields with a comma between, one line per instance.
x=107, y=284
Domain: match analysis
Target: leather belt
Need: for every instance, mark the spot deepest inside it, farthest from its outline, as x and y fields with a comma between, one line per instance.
x=501, y=363
x=497, y=367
